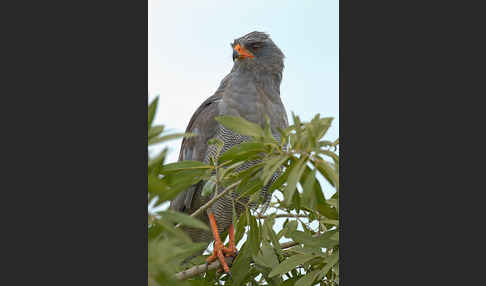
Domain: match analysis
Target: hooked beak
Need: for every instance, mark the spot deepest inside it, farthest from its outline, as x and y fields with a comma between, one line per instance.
x=239, y=52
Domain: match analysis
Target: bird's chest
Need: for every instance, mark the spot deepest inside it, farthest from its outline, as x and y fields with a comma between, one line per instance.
x=250, y=98
x=249, y=101
x=229, y=139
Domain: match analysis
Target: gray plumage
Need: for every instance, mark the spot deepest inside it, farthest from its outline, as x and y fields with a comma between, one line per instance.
x=251, y=90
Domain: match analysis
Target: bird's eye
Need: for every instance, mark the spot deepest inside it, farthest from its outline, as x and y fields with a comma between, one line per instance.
x=256, y=46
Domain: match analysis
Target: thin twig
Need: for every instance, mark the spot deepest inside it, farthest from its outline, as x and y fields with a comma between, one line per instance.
x=288, y=244
x=279, y=216
x=208, y=204
x=293, y=243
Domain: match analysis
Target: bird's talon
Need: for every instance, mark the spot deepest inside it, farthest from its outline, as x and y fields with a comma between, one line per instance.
x=211, y=258
x=230, y=251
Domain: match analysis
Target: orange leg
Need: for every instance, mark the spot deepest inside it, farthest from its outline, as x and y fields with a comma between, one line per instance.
x=231, y=249
x=219, y=251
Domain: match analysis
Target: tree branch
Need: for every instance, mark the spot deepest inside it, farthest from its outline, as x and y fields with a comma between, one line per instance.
x=196, y=270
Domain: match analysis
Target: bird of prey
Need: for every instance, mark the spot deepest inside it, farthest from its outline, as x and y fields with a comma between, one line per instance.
x=251, y=90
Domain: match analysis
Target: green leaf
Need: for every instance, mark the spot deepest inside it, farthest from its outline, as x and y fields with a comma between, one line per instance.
x=268, y=130
x=187, y=250
x=268, y=255
x=174, y=231
x=151, y=111
x=333, y=202
x=244, y=176
x=325, y=143
x=253, y=234
x=334, y=157
x=319, y=193
x=322, y=241
x=280, y=180
x=331, y=260
x=242, y=151
x=251, y=187
x=155, y=131
x=209, y=186
x=289, y=282
x=241, y=126
x=335, y=236
x=271, y=166
x=158, y=160
x=326, y=210
x=267, y=260
x=322, y=125
x=291, y=226
x=240, y=266
x=290, y=263
x=294, y=177
x=184, y=219
x=331, y=221
x=184, y=165
x=167, y=138
x=328, y=172
x=240, y=227
x=308, y=278
x=228, y=170
x=166, y=195
x=156, y=186
x=269, y=234
x=308, y=195
x=336, y=269
x=154, y=231
x=284, y=229
x=180, y=181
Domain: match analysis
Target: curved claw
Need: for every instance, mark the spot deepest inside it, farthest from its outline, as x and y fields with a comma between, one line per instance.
x=230, y=251
x=211, y=258
x=218, y=253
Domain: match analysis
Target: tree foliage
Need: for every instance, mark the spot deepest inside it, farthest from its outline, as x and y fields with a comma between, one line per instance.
x=305, y=161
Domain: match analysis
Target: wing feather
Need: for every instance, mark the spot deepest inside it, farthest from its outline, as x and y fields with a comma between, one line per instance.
x=205, y=127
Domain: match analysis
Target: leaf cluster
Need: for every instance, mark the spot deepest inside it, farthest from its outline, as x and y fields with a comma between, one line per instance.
x=305, y=163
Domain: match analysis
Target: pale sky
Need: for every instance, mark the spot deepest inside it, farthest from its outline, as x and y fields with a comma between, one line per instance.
x=189, y=54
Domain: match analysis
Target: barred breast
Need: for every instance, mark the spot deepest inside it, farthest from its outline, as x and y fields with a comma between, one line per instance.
x=223, y=208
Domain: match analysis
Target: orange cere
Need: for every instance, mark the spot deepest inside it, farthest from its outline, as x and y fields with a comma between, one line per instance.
x=242, y=52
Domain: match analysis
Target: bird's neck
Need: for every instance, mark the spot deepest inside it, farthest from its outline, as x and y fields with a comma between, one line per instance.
x=251, y=94
x=265, y=78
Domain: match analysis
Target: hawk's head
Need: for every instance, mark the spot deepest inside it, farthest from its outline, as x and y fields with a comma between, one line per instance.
x=257, y=49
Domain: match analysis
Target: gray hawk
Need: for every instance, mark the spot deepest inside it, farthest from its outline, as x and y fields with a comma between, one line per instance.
x=251, y=90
